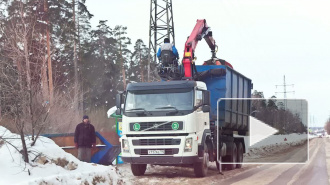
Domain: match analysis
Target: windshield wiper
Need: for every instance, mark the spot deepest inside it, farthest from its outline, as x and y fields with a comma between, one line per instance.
x=138, y=109
x=170, y=107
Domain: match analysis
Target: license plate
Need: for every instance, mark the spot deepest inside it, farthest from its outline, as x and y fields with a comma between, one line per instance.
x=156, y=152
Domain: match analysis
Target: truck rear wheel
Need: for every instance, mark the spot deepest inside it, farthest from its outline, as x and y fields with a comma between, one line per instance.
x=201, y=168
x=138, y=169
x=232, y=159
x=218, y=166
x=223, y=166
x=239, y=155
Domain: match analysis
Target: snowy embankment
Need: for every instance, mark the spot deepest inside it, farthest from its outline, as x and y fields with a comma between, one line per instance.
x=48, y=164
x=273, y=144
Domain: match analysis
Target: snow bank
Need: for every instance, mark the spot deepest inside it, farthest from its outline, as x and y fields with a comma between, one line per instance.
x=274, y=143
x=280, y=139
x=48, y=164
x=310, y=136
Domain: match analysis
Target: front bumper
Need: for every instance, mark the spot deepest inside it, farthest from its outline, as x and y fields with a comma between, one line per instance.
x=162, y=160
x=174, y=152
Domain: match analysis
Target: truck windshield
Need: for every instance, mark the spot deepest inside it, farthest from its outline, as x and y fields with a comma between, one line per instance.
x=159, y=100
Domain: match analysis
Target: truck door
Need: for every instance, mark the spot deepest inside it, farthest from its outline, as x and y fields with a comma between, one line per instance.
x=202, y=118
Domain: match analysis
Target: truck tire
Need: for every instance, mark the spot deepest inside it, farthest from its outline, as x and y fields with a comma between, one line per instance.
x=223, y=166
x=232, y=159
x=239, y=155
x=201, y=168
x=138, y=169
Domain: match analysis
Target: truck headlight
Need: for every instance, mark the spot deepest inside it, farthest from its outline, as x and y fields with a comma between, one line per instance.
x=188, y=145
x=125, y=145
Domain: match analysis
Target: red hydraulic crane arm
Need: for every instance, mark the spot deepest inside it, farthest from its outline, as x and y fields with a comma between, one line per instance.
x=200, y=31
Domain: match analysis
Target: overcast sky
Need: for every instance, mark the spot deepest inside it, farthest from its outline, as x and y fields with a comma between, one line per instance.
x=262, y=39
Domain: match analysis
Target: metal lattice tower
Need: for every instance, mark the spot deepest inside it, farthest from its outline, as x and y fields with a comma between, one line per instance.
x=285, y=91
x=161, y=26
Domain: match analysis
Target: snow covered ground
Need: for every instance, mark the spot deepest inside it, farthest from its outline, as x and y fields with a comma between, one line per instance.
x=274, y=144
x=48, y=164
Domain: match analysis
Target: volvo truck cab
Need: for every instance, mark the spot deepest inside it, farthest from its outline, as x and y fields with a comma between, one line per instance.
x=165, y=123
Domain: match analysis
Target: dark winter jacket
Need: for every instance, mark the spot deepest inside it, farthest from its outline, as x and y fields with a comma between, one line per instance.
x=85, y=135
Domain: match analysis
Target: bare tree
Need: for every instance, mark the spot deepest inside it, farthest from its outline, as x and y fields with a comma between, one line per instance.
x=23, y=60
x=17, y=72
x=49, y=60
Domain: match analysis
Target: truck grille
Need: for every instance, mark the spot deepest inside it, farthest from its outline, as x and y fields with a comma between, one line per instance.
x=152, y=126
x=148, y=142
x=168, y=151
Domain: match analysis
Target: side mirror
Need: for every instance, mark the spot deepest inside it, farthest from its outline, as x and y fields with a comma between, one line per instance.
x=206, y=98
x=206, y=108
x=118, y=111
x=118, y=101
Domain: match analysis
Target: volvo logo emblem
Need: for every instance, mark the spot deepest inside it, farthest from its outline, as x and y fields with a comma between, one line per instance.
x=155, y=125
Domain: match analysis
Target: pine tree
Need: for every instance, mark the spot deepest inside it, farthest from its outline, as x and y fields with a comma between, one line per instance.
x=124, y=54
x=139, y=61
x=101, y=77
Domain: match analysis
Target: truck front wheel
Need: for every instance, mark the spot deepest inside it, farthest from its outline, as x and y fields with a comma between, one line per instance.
x=201, y=168
x=138, y=169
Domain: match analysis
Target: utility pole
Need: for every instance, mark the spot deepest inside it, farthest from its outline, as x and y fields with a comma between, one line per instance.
x=161, y=26
x=285, y=91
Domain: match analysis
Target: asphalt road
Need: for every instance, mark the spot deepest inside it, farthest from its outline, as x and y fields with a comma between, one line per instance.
x=315, y=171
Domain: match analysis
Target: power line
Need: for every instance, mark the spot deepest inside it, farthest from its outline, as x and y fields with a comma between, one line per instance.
x=285, y=91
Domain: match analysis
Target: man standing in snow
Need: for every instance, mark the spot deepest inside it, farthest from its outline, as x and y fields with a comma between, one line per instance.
x=84, y=139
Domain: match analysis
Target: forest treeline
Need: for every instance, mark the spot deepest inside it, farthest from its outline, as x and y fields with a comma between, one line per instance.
x=54, y=67
x=273, y=112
